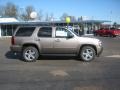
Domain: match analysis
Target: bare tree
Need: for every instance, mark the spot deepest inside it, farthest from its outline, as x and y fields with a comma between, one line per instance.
x=115, y=24
x=1, y=11
x=80, y=18
x=47, y=17
x=73, y=18
x=63, y=17
x=40, y=15
x=9, y=10
x=52, y=17
x=26, y=14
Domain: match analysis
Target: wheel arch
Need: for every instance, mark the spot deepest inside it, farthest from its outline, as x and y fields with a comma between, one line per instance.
x=30, y=44
x=94, y=47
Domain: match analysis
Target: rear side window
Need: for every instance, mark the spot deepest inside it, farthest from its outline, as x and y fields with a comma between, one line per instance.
x=25, y=31
x=45, y=32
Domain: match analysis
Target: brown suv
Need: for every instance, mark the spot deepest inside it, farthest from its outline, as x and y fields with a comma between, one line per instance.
x=33, y=41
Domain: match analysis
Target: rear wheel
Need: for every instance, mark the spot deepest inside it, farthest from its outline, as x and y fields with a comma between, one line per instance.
x=114, y=35
x=87, y=53
x=30, y=54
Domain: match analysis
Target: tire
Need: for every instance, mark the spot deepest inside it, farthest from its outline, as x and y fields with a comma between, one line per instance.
x=87, y=53
x=114, y=35
x=110, y=35
x=30, y=54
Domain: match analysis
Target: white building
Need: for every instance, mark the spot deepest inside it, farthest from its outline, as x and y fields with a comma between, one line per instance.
x=5, y=29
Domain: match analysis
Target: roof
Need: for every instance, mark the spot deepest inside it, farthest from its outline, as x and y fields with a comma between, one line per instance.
x=49, y=23
x=8, y=20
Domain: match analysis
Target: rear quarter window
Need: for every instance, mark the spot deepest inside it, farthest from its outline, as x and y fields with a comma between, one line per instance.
x=25, y=31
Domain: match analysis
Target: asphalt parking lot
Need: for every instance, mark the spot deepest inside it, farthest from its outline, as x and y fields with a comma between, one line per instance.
x=61, y=73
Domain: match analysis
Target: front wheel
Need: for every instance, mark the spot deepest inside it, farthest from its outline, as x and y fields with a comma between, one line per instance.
x=87, y=53
x=30, y=54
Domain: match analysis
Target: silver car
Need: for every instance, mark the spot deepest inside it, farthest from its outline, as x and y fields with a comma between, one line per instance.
x=33, y=41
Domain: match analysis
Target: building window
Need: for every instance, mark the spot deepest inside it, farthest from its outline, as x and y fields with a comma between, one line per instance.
x=3, y=30
x=8, y=30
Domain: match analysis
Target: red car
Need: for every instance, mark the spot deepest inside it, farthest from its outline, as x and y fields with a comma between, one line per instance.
x=112, y=32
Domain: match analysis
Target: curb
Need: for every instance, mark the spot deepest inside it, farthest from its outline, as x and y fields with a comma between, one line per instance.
x=5, y=38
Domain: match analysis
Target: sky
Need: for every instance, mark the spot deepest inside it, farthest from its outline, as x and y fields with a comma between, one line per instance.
x=93, y=9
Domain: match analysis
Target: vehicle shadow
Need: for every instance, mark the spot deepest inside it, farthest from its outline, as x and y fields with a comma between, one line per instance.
x=57, y=58
x=11, y=55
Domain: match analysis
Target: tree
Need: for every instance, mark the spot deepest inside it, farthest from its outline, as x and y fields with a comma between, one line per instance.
x=51, y=17
x=115, y=24
x=73, y=18
x=47, y=17
x=10, y=10
x=40, y=15
x=26, y=14
x=1, y=11
x=63, y=17
x=80, y=18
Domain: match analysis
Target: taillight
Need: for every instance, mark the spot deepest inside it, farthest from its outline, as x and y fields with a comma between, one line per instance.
x=114, y=32
x=12, y=40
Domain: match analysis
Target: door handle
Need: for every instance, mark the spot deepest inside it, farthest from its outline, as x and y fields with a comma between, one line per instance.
x=57, y=40
x=37, y=40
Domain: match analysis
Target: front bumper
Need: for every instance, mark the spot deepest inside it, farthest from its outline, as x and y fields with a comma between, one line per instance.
x=100, y=50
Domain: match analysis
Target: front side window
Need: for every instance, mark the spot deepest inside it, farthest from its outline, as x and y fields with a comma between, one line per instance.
x=25, y=31
x=45, y=32
x=62, y=32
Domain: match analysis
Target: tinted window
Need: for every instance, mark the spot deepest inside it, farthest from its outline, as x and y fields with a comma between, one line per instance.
x=45, y=32
x=25, y=31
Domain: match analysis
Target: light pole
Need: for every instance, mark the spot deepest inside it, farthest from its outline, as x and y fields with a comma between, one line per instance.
x=111, y=19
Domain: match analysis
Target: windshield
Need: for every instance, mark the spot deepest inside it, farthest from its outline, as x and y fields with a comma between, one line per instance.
x=74, y=33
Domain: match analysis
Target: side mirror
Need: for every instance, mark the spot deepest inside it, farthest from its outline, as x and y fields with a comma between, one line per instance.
x=70, y=36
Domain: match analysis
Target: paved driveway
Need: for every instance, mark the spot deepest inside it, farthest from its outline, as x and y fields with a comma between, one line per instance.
x=61, y=73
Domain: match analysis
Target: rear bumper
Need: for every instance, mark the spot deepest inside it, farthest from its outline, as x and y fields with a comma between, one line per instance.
x=15, y=48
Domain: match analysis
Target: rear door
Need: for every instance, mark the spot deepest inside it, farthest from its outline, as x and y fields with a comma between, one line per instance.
x=45, y=40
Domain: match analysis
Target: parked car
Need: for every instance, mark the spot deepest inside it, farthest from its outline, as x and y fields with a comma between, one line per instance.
x=33, y=41
x=112, y=32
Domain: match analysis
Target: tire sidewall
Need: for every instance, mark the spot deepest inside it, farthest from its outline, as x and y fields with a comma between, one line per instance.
x=30, y=48
x=87, y=47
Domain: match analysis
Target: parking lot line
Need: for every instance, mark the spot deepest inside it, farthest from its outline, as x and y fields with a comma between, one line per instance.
x=114, y=56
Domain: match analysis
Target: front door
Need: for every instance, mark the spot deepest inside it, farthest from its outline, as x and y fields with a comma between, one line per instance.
x=63, y=44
